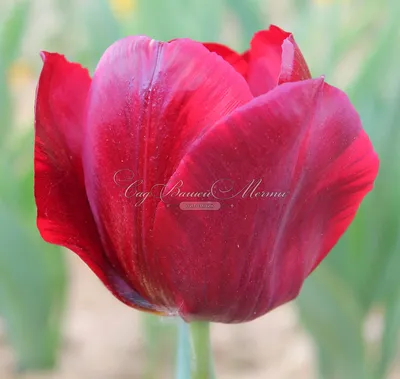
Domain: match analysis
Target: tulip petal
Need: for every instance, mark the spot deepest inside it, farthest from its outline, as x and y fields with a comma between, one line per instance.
x=274, y=58
x=64, y=216
x=148, y=101
x=303, y=140
x=238, y=61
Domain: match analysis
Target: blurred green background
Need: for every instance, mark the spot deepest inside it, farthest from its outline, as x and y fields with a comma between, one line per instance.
x=56, y=316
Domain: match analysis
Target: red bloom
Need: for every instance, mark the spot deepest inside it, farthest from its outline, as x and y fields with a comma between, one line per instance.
x=283, y=156
x=274, y=58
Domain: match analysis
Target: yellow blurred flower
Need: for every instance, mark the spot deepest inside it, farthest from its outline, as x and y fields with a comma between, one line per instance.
x=123, y=8
x=19, y=74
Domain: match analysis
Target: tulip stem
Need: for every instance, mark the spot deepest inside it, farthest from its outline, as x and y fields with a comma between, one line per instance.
x=183, y=353
x=202, y=362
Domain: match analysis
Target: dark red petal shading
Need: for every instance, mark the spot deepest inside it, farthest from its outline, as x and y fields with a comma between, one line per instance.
x=253, y=254
x=274, y=58
x=63, y=212
x=148, y=101
x=238, y=61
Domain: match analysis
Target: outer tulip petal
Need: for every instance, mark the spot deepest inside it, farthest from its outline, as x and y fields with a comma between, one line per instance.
x=238, y=61
x=274, y=58
x=303, y=139
x=64, y=215
x=148, y=101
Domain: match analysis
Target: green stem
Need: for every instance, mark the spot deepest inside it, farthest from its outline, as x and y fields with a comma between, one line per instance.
x=202, y=362
x=183, y=354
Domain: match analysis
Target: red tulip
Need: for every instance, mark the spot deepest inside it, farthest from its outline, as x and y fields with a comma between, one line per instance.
x=125, y=161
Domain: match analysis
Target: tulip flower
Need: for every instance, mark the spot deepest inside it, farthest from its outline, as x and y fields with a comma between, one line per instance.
x=196, y=181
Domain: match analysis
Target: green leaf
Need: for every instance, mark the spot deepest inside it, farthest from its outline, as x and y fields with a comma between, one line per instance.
x=5, y=104
x=164, y=20
x=390, y=338
x=102, y=30
x=250, y=17
x=332, y=313
x=32, y=289
x=160, y=335
x=13, y=31
x=378, y=59
x=11, y=36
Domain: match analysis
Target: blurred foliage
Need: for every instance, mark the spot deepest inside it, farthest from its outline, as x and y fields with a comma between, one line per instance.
x=353, y=42
x=359, y=280
x=32, y=275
